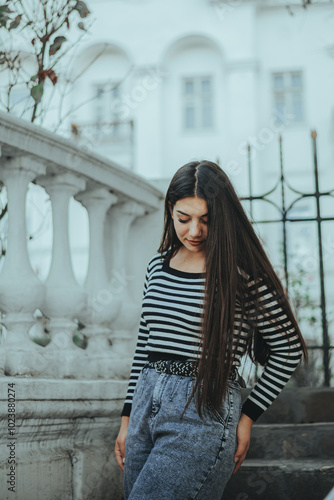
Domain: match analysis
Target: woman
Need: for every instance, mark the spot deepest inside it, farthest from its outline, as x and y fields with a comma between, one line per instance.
x=184, y=430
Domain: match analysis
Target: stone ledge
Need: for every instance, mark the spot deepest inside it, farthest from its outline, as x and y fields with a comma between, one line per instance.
x=45, y=389
x=281, y=480
x=64, y=409
x=21, y=137
x=62, y=458
x=298, y=441
x=299, y=405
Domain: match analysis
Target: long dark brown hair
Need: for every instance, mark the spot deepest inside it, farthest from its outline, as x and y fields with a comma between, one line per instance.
x=231, y=244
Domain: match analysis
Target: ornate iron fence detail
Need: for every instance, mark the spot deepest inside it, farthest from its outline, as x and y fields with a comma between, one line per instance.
x=284, y=217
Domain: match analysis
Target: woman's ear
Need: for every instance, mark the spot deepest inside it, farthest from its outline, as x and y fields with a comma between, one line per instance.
x=170, y=208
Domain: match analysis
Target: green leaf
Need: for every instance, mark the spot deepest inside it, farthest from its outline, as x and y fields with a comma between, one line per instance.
x=5, y=8
x=3, y=19
x=36, y=93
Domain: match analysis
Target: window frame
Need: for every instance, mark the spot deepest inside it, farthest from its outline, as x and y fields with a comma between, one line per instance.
x=287, y=93
x=197, y=101
x=110, y=100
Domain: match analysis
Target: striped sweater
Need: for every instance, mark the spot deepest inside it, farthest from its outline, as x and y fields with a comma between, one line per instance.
x=170, y=323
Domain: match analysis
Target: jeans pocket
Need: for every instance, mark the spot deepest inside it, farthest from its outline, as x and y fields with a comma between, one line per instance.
x=176, y=389
x=222, y=414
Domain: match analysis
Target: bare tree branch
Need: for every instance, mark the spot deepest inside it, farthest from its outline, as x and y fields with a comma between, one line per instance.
x=41, y=21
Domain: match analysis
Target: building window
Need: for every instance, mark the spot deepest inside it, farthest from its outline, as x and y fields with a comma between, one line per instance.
x=105, y=107
x=288, y=97
x=197, y=98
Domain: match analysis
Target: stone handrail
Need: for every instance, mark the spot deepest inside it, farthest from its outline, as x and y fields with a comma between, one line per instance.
x=111, y=195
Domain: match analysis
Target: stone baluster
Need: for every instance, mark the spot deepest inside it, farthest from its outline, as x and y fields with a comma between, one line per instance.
x=64, y=297
x=120, y=219
x=21, y=292
x=103, y=305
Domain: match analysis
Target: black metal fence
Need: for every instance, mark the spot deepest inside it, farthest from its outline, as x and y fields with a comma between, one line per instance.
x=284, y=211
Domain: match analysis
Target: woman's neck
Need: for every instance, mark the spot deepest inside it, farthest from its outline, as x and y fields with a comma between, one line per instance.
x=193, y=262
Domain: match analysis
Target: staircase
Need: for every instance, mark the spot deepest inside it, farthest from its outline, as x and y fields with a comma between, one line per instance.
x=291, y=455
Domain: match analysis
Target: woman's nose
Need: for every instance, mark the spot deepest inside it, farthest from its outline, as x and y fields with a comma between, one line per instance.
x=195, y=230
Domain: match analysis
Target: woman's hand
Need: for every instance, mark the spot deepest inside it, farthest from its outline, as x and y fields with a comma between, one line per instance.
x=243, y=437
x=120, y=442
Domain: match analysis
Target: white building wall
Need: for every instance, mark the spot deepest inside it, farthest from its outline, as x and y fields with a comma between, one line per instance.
x=151, y=45
x=182, y=39
x=240, y=44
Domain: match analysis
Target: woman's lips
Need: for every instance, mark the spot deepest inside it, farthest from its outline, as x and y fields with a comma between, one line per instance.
x=195, y=243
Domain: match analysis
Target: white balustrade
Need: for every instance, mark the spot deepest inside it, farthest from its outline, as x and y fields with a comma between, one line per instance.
x=64, y=297
x=114, y=198
x=21, y=292
x=103, y=304
x=121, y=217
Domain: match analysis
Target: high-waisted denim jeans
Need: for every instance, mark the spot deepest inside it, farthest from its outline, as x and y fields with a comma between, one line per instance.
x=168, y=458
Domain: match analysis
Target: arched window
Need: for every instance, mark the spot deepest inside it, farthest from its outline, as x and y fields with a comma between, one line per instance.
x=104, y=71
x=193, y=100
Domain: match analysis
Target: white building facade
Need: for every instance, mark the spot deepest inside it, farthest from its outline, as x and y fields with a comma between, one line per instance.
x=202, y=79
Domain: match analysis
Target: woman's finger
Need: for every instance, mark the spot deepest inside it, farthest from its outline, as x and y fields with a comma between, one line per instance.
x=120, y=442
x=239, y=462
x=119, y=456
x=240, y=454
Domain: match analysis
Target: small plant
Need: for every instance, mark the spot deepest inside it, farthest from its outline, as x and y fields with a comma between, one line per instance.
x=308, y=314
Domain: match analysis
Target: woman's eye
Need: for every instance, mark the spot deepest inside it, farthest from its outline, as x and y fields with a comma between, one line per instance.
x=185, y=221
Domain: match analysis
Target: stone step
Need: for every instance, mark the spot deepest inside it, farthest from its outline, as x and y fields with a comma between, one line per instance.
x=287, y=441
x=299, y=405
x=281, y=480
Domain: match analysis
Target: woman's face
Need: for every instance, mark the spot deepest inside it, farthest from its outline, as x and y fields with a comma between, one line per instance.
x=190, y=216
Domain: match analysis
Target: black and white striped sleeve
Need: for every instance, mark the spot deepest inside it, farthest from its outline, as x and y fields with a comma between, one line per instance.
x=140, y=356
x=285, y=350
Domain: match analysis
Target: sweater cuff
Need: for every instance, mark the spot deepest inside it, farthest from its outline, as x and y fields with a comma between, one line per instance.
x=126, y=410
x=251, y=409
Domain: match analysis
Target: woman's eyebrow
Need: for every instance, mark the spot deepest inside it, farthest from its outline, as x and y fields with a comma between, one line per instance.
x=188, y=214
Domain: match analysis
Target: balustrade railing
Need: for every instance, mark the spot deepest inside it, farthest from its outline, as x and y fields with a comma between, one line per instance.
x=104, y=304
